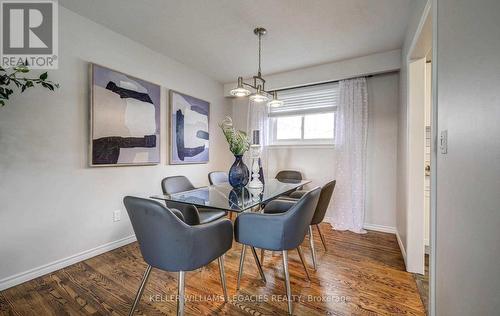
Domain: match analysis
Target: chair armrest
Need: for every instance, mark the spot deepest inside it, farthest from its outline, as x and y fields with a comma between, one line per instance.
x=297, y=194
x=178, y=214
x=279, y=206
x=189, y=212
x=260, y=230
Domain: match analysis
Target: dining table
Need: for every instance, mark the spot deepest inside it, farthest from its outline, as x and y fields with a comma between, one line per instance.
x=225, y=197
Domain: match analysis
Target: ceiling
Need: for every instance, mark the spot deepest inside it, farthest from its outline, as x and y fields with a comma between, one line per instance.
x=216, y=36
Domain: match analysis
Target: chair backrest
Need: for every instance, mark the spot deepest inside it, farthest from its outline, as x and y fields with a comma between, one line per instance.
x=289, y=176
x=217, y=177
x=298, y=219
x=324, y=201
x=176, y=184
x=160, y=233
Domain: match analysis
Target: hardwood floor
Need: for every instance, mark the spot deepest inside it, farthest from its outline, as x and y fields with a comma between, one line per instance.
x=359, y=275
x=423, y=284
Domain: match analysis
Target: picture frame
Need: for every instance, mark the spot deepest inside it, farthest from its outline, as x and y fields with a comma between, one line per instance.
x=189, y=121
x=124, y=124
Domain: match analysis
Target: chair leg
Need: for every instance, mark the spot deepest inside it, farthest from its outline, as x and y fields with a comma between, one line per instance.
x=299, y=250
x=287, y=282
x=181, y=299
x=223, y=277
x=242, y=261
x=311, y=243
x=322, y=238
x=262, y=256
x=140, y=290
x=257, y=262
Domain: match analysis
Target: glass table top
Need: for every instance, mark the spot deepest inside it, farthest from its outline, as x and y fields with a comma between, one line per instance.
x=225, y=197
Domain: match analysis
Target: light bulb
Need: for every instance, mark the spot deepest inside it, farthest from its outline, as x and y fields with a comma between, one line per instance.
x=240, y=91
x=275, y=102
x=259, y=97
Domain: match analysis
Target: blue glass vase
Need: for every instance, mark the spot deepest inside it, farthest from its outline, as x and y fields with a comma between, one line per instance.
x=238, y=174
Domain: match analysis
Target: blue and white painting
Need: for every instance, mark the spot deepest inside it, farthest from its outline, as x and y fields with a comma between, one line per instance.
x=125, y=119
x=189, y=121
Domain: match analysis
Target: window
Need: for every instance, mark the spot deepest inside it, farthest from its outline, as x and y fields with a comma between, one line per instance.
x=307, y=116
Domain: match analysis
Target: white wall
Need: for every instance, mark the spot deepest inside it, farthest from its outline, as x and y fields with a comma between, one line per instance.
x=52, y=205
x=383, y=103
x=316, y=163
x=468, y=177
x=344, y=69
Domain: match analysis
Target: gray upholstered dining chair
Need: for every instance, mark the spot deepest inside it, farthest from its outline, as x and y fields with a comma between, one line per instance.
x=168, y=243
x=277, y=232
x=218, y=177
x=192, y=214
x=289, y=176
x=281, y=205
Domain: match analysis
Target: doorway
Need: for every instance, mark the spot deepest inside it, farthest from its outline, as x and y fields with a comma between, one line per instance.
x=420, y=153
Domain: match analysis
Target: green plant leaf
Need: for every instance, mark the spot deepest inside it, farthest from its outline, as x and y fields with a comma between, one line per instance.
x=48, y=86
x=22, y=69
x=22, y=83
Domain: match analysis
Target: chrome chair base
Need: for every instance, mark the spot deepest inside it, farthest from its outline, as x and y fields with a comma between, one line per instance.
x=285, y=270
x=223, y=277
x=181, y=300
x=301, y=256
x=140, y=290
x=181, y=288
x=321, y=237
x=242, y=261
x=287, y=282
x=311, y=244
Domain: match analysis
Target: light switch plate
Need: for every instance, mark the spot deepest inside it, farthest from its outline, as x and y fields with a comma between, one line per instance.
x=443, y=142
x=117, y=215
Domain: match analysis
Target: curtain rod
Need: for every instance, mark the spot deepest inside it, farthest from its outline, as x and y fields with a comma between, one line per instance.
x=333, y=81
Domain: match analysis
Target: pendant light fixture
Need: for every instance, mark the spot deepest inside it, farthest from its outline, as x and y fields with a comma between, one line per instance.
x=274, y=103
x=260, y=94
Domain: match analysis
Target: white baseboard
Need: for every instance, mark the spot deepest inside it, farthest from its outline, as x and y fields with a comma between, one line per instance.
x=401, y=247
x=375, y=227
x=62, y=263
x=328, y=220
x=427, y=249
x=380, y=228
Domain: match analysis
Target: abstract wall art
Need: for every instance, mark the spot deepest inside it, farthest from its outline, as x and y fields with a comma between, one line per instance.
x=189, y=123
x=125, y=119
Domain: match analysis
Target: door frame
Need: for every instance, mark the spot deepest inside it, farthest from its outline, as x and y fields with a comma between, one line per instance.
x=415, y=244
x=415, y=136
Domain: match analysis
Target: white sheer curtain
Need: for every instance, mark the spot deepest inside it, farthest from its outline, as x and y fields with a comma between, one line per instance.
x=258, y=119
x=351, y=131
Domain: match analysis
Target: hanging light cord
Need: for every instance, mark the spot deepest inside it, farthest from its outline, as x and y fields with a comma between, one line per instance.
x=260, y=35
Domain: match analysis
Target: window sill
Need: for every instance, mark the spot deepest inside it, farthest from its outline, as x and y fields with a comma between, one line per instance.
x=306, y=146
